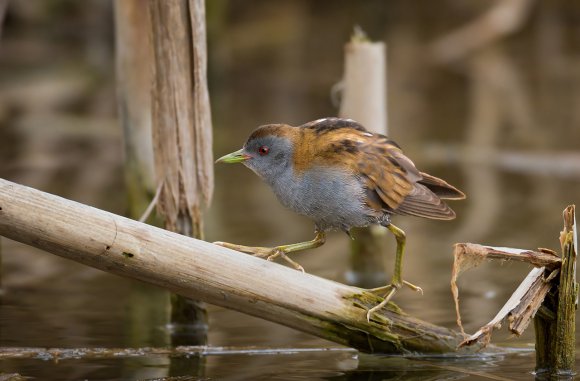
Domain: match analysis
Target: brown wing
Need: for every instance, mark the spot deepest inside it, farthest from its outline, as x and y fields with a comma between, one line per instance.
x=386, y=173
x=392, y=181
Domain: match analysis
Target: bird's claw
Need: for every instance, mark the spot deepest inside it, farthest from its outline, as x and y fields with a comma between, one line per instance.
x=413, y=287
x=269, y=253
x=274, y=255
x=294, y=264
x=389, y=291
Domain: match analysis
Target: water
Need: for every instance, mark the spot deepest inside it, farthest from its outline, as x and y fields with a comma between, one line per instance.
x=517, y=95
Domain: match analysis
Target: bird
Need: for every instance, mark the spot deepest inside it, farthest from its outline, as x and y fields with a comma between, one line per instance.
x=340, y=175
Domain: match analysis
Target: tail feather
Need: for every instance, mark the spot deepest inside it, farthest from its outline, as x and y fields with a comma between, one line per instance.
x=441, y=188
x=422, y=202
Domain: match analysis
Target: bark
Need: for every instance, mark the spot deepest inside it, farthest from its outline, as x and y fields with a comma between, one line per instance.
x=182, y=134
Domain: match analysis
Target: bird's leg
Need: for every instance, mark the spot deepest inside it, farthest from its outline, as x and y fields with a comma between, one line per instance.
x=397, y=279
x=271, y=253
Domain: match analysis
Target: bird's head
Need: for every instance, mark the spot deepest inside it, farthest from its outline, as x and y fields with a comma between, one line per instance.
x=268, y=151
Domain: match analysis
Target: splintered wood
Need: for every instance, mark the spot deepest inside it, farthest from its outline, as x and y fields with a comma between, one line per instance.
x=181, y=120
x=526, y=299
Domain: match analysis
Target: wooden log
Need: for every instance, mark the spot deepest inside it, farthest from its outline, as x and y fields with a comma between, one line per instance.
x=214, y=274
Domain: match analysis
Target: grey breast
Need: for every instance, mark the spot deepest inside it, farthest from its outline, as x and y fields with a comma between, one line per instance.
x=333, y=199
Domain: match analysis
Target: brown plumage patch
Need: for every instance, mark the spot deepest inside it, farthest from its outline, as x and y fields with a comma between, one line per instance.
x=270, y=130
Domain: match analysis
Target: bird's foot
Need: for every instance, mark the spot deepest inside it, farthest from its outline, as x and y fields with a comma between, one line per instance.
x=388, y=287
x=389, y=291
x=269, y=253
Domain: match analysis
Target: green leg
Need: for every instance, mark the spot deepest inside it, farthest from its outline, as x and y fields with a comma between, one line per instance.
x=397, y=279
x=271, y=253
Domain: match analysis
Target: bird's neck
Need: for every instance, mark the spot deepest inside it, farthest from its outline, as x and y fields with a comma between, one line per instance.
x=287, y=187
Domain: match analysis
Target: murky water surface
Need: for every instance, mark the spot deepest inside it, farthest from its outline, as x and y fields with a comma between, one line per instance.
x=271, y=62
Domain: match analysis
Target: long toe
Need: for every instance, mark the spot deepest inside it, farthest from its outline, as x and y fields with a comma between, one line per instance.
x=380, y=290
x=294, y=264
x=413, y=287
x=257, y=251
x=382, y=304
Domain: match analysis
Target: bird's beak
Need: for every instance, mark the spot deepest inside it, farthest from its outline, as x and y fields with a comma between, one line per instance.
x=234, y=157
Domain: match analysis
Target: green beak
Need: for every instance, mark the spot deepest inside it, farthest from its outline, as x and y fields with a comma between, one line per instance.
x=234, y=157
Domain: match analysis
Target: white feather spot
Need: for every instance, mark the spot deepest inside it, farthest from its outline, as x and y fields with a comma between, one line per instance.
x=321, y=120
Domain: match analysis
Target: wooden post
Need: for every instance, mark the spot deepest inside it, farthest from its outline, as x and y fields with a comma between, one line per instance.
x=364, y=99
x=182, y=135
x=555, y=326
x=214, y=274
x=565, y=335
x=134, y=61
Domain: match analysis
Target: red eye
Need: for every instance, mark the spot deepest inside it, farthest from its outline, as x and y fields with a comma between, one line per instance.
x=263, y=150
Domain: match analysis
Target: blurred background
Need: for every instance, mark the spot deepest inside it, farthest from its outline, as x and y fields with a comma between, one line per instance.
x=484, y=94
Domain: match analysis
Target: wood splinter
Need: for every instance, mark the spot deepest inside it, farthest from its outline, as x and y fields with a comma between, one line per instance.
x=526, y=299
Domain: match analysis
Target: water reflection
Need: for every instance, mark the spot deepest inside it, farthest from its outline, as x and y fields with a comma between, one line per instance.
x=277, y=62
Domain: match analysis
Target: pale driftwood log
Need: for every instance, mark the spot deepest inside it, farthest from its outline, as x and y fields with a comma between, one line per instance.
x=217, y=275
x=364, y=99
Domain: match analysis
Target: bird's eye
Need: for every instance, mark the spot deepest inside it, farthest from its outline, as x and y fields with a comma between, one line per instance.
x=263, y=150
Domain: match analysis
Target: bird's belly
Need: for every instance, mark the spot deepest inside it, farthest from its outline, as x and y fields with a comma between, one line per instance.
x=333, y=200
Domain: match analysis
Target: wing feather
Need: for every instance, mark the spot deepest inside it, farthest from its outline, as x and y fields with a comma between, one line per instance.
x=392, y=182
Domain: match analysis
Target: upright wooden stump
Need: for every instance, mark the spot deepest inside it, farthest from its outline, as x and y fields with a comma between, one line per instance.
x=364, y=99
x=555, y=326
x=182, y=135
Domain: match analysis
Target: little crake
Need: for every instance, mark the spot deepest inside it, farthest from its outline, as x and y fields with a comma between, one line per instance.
x=341, y=176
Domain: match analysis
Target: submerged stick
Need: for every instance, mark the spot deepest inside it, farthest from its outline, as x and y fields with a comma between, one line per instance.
x=214, y=274
x=58, y=354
